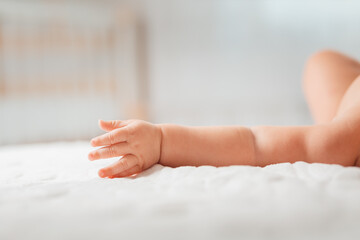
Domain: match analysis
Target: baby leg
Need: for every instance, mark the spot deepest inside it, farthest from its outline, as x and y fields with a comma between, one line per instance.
x=328, y=75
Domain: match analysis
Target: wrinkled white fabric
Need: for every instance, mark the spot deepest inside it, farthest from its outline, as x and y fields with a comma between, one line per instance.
x=51, y=191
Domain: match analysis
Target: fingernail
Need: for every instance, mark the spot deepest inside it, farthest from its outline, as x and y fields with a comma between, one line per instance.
x=101, y=173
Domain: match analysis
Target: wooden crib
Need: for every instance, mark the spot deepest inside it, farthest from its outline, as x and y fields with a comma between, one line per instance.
x=88, y=53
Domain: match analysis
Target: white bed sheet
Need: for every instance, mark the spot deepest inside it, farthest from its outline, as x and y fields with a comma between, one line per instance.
x=51, y=191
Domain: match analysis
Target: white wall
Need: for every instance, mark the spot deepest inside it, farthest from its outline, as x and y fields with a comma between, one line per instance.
x=240, y=62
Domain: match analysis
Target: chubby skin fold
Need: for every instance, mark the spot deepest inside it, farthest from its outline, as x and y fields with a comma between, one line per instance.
x=332, y=89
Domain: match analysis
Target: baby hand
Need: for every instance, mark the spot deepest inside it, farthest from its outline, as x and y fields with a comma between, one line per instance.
x=138, y=142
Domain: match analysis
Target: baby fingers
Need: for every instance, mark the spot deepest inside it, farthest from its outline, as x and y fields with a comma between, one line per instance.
x=115, y=136
x=127, y=173
x=126, y=166
x=111, y=125
x=115, y=150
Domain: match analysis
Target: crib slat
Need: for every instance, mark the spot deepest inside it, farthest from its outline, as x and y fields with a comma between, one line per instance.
x=44, y=58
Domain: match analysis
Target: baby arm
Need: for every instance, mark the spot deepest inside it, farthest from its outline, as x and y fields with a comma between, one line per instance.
x=143, y=144
x=257, y=146
x=215, y=146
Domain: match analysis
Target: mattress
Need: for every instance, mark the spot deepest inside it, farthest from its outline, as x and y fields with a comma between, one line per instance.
x=51, y=191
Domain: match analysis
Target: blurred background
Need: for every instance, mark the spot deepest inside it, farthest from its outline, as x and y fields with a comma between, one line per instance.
x=66, y=64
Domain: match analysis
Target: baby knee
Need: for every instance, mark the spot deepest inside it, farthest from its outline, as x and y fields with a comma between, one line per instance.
x=318, y=65
x=322, y=57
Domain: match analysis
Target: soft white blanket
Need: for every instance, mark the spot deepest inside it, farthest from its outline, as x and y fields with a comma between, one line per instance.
x=51, y=191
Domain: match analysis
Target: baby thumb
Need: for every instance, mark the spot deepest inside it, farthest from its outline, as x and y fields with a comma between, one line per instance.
x=110, y=125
